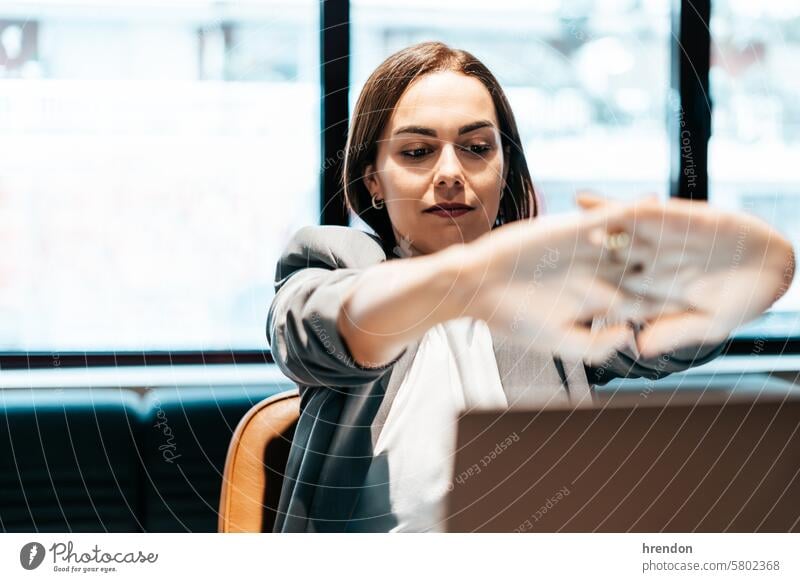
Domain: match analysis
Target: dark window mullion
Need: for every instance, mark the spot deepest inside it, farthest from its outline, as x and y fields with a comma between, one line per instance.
x=335, y=79
x=690, y=126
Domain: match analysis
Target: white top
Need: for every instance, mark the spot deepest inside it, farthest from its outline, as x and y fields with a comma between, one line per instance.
x=453, y=370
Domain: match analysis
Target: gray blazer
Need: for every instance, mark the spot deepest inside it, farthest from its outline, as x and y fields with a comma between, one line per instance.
x=342, y=404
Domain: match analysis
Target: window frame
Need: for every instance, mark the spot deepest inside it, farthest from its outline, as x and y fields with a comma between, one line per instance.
x=689, y=74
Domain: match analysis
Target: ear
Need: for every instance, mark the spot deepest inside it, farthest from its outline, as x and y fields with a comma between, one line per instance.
x=370, y=180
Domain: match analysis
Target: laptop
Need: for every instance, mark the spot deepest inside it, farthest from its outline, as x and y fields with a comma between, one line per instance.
x=685, y=458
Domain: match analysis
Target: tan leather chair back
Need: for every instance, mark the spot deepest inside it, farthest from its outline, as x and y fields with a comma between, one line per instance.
x=255, y=465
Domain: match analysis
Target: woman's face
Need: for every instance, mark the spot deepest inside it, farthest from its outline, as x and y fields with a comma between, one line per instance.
x=441, y=146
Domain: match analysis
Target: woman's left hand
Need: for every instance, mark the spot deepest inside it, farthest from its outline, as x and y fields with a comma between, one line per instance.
x=748, y=266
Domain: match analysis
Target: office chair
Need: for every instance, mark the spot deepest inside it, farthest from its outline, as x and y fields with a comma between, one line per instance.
x=255, y=465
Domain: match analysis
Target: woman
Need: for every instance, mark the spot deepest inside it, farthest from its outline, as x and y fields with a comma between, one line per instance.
x=461, y=300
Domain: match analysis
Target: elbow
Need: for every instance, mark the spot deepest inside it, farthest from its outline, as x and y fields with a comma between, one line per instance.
x=363, y=349
x=367, y=350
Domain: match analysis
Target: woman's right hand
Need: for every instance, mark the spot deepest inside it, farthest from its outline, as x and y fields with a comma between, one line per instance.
x=543, y=281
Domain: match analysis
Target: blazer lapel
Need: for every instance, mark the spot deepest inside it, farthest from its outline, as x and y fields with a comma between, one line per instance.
x=532, y=377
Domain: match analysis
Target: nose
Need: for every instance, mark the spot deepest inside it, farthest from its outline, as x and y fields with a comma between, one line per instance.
x=449, y=174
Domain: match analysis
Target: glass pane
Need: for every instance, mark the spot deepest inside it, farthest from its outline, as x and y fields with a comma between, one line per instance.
x=155, y=159
x=588, y=81
x=755, y=143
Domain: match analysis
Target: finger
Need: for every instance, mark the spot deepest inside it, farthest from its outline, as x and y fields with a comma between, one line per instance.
x=650, y=299
x=593, y=346
x=612, y=303
x=673, y=332
x=607, y=216
x=589, y=200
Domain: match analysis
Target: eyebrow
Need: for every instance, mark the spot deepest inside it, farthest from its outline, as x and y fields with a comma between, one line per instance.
x=432, y=132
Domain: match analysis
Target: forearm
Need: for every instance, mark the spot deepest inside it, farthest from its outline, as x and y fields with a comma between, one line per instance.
x=394, y=303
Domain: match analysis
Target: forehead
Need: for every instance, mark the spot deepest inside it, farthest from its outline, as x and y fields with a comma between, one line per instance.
x=443, y=101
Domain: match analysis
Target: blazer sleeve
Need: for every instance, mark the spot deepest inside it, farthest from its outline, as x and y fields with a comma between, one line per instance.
x=626, y=364
x=312, y=277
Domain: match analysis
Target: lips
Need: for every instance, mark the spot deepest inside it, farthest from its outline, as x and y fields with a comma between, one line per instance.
x=449, y=209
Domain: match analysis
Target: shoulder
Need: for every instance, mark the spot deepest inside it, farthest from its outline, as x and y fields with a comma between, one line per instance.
x=330, y=247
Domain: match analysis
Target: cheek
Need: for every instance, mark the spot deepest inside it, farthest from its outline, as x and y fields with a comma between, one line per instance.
x=488, y=184
x=402, y=183
x=403, y=191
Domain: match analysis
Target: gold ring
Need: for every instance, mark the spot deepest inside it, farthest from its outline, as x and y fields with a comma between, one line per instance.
x=614, y=242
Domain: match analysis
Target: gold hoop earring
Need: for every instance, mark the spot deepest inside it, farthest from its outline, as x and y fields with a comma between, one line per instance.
x=377, y=204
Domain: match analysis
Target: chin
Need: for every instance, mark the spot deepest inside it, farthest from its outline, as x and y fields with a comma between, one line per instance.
x=457, y=238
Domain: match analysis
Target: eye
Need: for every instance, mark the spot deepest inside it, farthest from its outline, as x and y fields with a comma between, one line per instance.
x=478, y=148
x=416, y=153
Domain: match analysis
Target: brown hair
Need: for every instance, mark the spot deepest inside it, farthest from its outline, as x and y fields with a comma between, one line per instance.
x=375, y=105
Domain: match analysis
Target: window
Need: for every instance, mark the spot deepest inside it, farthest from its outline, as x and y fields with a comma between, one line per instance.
x=755, y=138
x=588, y=81
x=155, y=160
